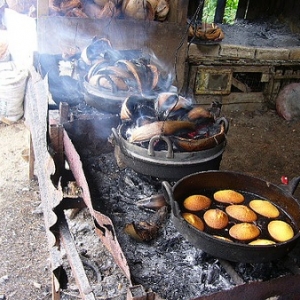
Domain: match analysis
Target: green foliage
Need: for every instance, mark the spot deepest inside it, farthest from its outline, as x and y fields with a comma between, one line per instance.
x=230, y=11
x=209, y=11
x=229, y=14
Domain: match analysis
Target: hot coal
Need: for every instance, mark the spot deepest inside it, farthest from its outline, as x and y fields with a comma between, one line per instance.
x=168, y=264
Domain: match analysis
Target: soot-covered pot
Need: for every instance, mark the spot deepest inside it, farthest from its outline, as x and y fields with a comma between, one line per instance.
x=207, y=183
x=168, y=164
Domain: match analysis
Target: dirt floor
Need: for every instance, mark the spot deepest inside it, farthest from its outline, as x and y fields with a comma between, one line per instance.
x=261, y=144
x=24, y=271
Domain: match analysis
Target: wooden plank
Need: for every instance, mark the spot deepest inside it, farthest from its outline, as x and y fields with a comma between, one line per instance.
x=178, y=11
x=56, y=139
x=250, y=69
x=244, y=101
x=235, y=101
x=240, y=69
x=55, y=293
x=242, y=9
x=190, y=79
x=66, y=239
x=274, y=89
x=219, y=13
x=240, y=85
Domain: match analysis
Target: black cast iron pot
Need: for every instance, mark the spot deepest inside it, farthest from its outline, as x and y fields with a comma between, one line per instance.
x=203, y=182
x=103, y=101
x=167, y=164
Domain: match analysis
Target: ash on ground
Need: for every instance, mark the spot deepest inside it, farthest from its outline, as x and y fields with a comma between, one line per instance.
x=105, y=277
x=260, y=33
x=168, y=264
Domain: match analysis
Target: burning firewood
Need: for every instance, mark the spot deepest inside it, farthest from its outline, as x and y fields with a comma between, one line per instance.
x=154, y=202
x=145, y=132
x=145, y=231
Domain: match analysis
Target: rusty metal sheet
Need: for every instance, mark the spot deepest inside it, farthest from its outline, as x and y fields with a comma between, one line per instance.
x=36, y=111
x=54, y=202
x=103, y=224
x=286, y=287
x=52, y=197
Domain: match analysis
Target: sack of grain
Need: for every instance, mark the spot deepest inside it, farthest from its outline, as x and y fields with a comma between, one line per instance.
x=12, y=91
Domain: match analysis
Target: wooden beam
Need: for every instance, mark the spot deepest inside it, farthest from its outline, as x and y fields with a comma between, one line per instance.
x=242, y=9
x=219, y=12
x=241, y=86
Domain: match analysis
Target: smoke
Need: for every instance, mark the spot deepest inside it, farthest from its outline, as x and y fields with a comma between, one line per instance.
x=167, y=72
x=22, y=37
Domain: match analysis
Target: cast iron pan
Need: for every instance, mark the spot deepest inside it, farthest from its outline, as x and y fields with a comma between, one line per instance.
x=202, y=182
x=167, y=164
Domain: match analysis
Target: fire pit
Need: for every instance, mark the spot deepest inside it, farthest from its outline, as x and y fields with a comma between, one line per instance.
x=167, y=260
x=167, y=264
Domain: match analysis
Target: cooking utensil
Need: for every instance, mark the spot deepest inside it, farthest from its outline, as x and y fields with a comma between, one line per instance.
x=166, y=164
x=202, y=182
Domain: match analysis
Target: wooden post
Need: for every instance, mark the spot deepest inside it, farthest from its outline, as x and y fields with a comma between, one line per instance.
x=242, y=9
x=63, y=112
x=219, y=13
x=56, y=139
x=55, y=293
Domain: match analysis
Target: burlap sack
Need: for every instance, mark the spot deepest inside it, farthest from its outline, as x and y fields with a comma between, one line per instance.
x=12, y=91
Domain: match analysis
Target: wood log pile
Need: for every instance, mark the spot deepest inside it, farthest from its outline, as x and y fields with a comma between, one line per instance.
x=100, y=9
